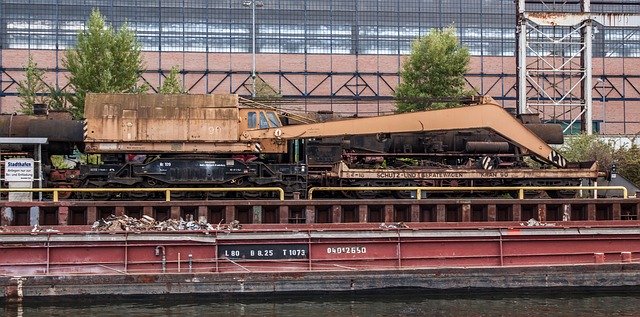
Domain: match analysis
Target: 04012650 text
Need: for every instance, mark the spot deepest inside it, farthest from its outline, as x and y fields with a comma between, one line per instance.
x=346, y=250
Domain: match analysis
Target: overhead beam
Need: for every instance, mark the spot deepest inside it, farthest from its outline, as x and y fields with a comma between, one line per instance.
x=571, y=19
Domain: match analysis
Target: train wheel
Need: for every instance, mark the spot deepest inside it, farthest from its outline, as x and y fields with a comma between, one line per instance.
x=349, y=194
x=176, y=194
x=251, y=194
x=367, y=194
x=293, y=187
x=64, y=195
x=152, y=183
x=405, y=194
x=138, y=195
x=562, y=194
x=100, y=195
x=215, y=195
x=194, y=195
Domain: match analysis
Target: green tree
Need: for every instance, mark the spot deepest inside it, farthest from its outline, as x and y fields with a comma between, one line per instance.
x=32, y=89
x=264, y=91
x=585, y=147
x=103, y=61
x=171, y=84
x=629, y=164
x=57, y=98
x=433, y=71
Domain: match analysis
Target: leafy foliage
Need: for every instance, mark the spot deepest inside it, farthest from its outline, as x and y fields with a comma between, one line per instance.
x=629, y=164
x=594, y=148
x=104, y=61
x=171, y=84
x=585, y=147
x=57, y=98
x=434, y=71
x=264, y=91
x=32, y=89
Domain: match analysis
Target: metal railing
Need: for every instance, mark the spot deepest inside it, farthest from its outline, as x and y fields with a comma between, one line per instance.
x=520, y=189
x=418, y=190
x=167, y=191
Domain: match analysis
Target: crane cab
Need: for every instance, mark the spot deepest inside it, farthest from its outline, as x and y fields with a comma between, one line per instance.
x=259, y=119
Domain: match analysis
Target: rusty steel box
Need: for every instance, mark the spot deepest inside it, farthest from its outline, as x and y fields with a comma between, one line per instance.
x=161, y=118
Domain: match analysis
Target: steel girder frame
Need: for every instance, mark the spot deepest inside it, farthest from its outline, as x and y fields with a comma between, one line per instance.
x=554, y=61
x=339, y=88
x=358, y=86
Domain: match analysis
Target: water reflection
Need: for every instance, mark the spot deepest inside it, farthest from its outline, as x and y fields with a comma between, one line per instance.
x=387, y=303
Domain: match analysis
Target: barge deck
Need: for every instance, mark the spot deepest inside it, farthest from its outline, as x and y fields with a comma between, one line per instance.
x=325, y=211
x=325, y=245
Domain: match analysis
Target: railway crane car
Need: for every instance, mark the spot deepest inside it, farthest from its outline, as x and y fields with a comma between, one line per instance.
x=151, y=140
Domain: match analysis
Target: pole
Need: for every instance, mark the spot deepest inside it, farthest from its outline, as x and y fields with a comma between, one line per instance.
x=588, y=70
x=253, y=50
x=604, y=110
x=522, y=57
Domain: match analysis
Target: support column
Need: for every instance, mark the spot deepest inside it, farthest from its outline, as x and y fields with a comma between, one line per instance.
x=336, y=214
x=415, y=213
x=63, y=215
x=175, y=212
x=147, y=211
x=229, y=214
x=542, y=212
x=203, y=216
x=34, y=216
x=310, y=213
x=517, y=212
x=257, y=214
x=8, y=216
x=441, y=211
x=591, y=212
x=466, y=213
x=616, y=211
x=388, y=213
x=586, y=61
x=283, y=211
x=491, y=213
x=119, y=211
x=363, y=213
x=92, y=214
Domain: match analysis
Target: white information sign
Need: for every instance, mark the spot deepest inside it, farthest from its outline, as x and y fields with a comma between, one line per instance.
x=19, y=170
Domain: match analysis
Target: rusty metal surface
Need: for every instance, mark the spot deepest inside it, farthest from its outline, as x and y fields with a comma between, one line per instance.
x=440, y=252
x=572, y=19
x=343, y=171
x=483, y=116
x=305, y=214
x=126, y=123
x=530, y=277
x=294, y=250
x=143, y=119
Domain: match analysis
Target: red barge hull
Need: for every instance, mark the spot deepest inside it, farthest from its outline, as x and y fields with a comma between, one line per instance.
x=64, y=259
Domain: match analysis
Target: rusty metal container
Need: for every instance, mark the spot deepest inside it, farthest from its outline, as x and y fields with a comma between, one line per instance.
x=158, y=118
x=155, y=123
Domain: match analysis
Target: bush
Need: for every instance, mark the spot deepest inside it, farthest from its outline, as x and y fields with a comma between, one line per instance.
x=585, y=147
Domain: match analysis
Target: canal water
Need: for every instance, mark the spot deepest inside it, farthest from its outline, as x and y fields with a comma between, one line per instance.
x=384, y=303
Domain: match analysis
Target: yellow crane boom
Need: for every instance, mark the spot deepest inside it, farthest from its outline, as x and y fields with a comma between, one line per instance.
x=486, y=115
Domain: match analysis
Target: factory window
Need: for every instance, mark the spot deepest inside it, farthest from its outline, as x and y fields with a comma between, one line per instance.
x=273, y=120
x=251, y=120
x=263, y=121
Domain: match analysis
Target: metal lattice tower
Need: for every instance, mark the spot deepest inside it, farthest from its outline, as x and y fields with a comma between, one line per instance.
x=554, y=57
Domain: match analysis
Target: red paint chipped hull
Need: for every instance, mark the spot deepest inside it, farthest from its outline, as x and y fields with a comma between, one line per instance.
x=293, y=251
